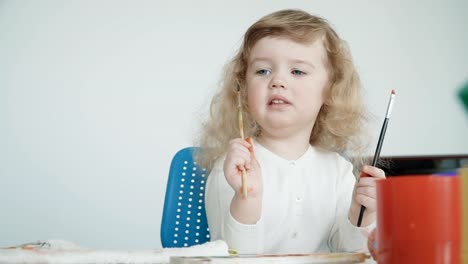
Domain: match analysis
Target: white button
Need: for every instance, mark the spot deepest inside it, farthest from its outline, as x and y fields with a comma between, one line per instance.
x=292, y=163
x=298, y=199
x=294, y=235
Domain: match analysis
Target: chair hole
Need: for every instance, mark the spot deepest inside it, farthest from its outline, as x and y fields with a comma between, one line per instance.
x=186, y=238
x=187, y=225
x=184, y=168
x=199, y=214
x=175, y=235
x=181, y=192
x=201, y=194
x=208, y=236
x=189, y=212
x=190, y=199
x=192, y=180
x=202, y=182
x=185, y=245
x=185, y=162
x=199, y=207
x=194, y=168
x=188, y=218
x=197, y=227
x=201, y=188
x=177, y=216
x=186, y=231
x=189, y=206
x=181, y=186
x=198, y=220
x=200, y=201
x=182, y=180
x=191, y=186
x=177, y=222
x=196, y=240
x=191, y=193
x=176, y=229
x=175, y=241
x=178, y=209
x=179, y=203
x=183, y=173
x=197, y=234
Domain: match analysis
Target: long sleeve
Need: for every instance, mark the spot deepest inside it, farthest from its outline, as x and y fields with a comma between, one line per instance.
x=305, y=205
x=243, y=238
x=345, y=236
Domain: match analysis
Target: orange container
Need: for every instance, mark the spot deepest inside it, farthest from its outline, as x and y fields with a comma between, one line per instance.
x=419, y=219
x=463, y=172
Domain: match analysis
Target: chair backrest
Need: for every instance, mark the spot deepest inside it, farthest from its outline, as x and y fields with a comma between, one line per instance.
x=184, y=221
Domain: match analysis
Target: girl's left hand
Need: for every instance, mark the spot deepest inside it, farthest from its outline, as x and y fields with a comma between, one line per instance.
x=365, y=194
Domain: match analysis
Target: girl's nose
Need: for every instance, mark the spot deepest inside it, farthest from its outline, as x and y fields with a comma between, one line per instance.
x=277, y=83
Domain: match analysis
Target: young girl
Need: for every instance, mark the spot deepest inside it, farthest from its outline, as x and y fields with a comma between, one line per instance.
x=301, y=99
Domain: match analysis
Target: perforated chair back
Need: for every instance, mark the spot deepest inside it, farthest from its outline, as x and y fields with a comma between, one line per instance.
x=184, y=221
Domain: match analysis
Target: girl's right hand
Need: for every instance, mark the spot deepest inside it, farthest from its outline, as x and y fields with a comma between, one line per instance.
x=240, y=155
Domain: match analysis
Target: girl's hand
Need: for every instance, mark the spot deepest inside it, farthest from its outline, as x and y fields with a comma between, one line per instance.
x=240, y=155
x=365, y=194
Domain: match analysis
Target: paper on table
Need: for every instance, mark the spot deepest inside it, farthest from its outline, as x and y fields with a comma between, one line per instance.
x=64, y=252
x=273, y=259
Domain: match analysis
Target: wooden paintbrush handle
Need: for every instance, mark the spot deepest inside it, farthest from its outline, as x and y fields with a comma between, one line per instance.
x=244, y=183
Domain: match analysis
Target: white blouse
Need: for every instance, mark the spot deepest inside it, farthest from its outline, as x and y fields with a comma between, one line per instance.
x=304, y=210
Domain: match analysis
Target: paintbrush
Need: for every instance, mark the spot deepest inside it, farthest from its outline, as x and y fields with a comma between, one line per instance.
x=241, y=130
x=379, y=146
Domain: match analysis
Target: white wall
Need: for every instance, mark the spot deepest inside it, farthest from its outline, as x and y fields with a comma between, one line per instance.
x=96, y=97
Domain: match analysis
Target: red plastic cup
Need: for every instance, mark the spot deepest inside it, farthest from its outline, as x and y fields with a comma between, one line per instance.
x=419, y=220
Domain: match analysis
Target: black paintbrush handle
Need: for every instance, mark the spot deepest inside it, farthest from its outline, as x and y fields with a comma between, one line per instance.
x=374, y=162
x=361, y=215
x=380, y=142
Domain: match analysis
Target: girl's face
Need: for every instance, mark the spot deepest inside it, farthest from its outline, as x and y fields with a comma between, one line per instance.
x=285, y=83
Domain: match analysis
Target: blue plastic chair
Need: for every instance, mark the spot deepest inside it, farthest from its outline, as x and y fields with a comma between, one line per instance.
x=184, y=221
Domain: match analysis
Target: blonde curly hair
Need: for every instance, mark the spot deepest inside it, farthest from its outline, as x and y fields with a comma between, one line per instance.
x=339, y=124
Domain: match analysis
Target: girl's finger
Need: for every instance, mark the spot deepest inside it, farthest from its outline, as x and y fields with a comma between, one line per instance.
x=240, y=149
x=241, y=158
x=366, y=201
x=367, y=181
x=373, y=171
x=367, y=191
x=240, y=142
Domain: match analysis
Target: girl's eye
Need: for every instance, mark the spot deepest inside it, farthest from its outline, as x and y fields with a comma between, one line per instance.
x=263, y=72
x=298, y=72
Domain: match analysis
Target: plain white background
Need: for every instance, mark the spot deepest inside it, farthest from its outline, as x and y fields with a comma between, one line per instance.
x=97, y=96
